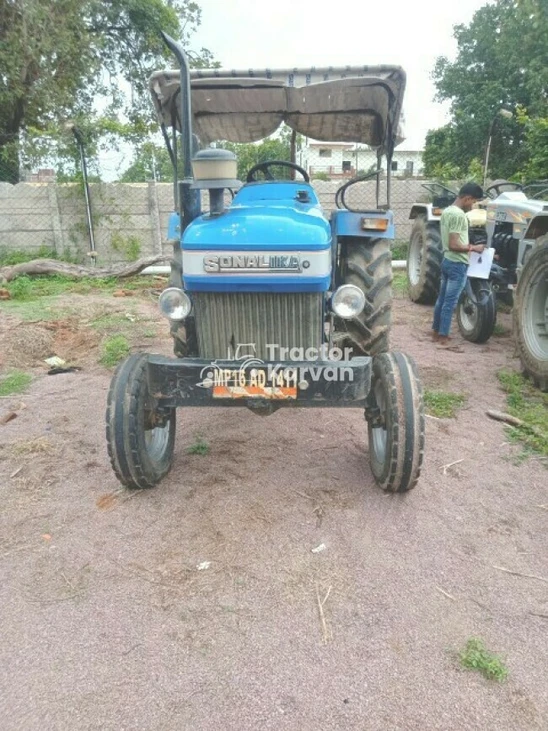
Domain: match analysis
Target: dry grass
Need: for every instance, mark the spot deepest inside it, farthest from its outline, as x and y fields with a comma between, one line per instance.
x=28, y=343
x=40, y=445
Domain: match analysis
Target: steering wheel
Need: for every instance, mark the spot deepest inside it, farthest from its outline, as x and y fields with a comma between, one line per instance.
x=263, y=167
x=536, y=189
x=498, y=184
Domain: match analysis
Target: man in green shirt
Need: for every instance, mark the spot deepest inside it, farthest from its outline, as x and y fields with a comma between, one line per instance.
x=456, y=247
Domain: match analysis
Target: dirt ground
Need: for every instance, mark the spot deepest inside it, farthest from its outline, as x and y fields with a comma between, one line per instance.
x=195, y=605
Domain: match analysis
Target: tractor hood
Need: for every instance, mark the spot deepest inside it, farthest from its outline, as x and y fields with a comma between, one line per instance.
x=349, y=104
x=267, y=240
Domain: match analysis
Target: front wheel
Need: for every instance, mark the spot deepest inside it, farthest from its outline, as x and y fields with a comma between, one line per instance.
x=395, y=422
x=140, y=435
x=531, y=314
x=477, y=312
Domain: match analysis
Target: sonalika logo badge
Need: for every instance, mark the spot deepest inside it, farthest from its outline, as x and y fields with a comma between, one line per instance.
x=255, y=263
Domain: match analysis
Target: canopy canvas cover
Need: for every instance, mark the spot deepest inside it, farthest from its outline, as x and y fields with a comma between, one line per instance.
x=358, y=104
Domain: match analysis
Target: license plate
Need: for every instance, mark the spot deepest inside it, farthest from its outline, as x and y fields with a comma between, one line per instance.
x=274, y=385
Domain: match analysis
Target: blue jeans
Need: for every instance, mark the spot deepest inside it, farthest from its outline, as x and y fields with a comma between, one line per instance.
x=453, y=281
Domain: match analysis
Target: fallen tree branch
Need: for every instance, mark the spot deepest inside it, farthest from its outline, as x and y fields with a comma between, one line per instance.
x=506, y=418
x=53, y=266
x=515, y=422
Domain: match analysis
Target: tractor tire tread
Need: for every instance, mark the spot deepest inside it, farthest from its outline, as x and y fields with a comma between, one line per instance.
x=425, y=291
x=405, y=423
x=368, y=266
x=123, y=430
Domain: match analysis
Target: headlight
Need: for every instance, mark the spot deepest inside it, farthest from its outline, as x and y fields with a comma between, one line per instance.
x=347, y=301
x=175, y=304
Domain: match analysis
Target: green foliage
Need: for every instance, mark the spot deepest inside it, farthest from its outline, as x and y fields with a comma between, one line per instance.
x=10, y=257
x=536, y=145
x=502, y=61
x=531, y=406
x=320, y=175
x=25, y=288
x=151, y=162
x=200, y=446
x=500, y=331
x=129, y=246
x=475, y=171
x=400, y=284
x=443, y=147
x=476, y=657
x=58, y=58
x=14, y=382
x=114, y=350
x=20, y=288
x=399, y=250
x=443, y=404
x=273, y=148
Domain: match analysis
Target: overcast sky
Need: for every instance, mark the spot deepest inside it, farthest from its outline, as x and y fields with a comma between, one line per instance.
x=289, y=33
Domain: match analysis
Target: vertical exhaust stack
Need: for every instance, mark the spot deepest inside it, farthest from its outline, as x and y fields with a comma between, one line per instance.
x=189, y=199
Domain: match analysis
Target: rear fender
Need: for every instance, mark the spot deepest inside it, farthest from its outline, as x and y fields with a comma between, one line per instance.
x=538, y=226
x=348, y=223
x=426, y=210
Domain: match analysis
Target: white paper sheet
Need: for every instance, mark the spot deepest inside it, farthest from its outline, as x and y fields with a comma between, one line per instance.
x=479, y=265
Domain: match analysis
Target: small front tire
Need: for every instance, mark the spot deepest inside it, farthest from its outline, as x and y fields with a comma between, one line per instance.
x=477, y=322
x=395, y=421
x=140, y=436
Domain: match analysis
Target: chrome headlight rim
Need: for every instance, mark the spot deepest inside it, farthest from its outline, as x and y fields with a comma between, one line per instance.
x=338, y=304
x=178, y=312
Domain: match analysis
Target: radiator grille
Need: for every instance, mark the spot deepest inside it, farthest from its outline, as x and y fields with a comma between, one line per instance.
x=225, y=320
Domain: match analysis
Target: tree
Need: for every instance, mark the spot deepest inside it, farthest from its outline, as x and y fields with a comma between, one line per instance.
x=536, y=145
x=252, y=153
x=272, y=148
x=151, y=162
x=502, y=62
x=58, y=58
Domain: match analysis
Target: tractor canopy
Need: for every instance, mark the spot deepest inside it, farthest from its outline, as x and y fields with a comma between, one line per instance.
x=358, y=104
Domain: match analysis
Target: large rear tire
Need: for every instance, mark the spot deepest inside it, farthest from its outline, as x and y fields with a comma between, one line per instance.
x=424, y=261
x=395, y=422
x=531, y=314
x=477, y=321
x=140, y=437
x=367, y=263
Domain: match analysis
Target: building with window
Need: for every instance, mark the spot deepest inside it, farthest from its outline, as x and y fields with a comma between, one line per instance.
x=337, y=160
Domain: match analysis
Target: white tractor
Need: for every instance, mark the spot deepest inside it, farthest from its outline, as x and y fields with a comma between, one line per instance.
x=514, y=222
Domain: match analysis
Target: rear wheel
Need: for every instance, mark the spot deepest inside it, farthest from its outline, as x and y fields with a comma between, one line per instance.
x=476, y=320
x=424, y=261
x=395, y=422
x=140, y=435
x=367, y=263
x=531, y=314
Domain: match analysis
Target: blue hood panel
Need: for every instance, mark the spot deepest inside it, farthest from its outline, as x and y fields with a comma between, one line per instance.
x=249, y=248
x=263, y=216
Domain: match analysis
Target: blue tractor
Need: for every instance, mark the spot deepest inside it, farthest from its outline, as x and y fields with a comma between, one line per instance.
x=270, y=303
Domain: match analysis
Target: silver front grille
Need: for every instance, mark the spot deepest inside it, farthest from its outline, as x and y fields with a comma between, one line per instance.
x=226, y=320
